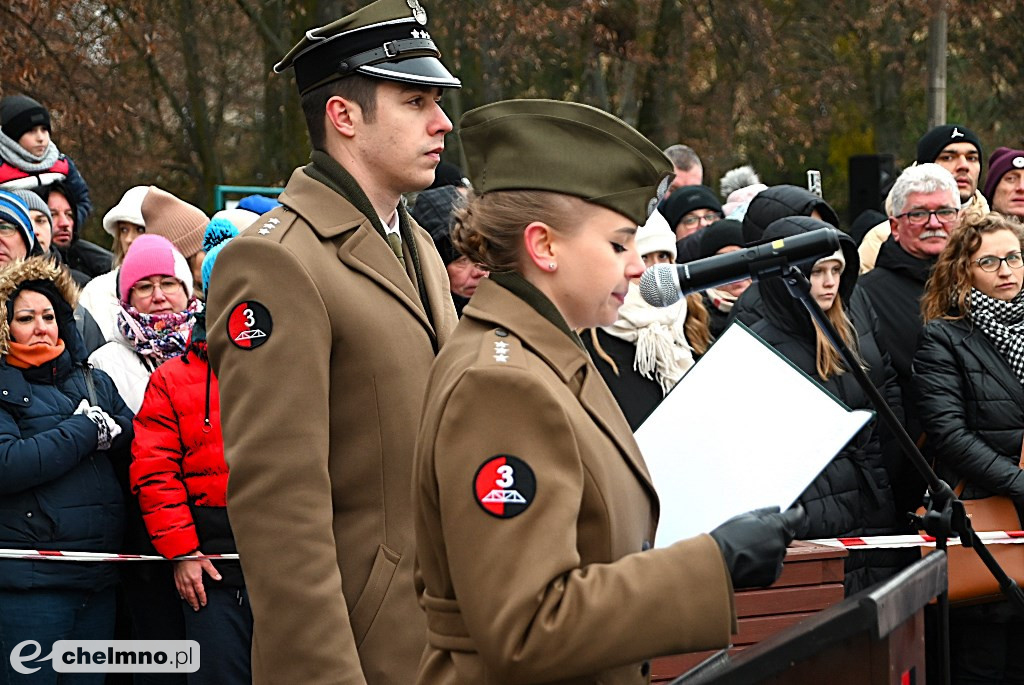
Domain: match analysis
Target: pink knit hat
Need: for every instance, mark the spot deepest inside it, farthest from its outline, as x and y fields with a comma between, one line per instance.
x=152, y=255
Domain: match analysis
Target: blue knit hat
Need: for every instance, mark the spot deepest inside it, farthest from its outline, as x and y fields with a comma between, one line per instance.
x=217, y=235
x=14, y=210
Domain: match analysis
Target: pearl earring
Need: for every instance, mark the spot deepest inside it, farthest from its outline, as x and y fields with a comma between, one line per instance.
x=552, y=266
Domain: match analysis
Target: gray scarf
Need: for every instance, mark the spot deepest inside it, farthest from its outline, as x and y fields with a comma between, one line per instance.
x=1003, y=323
x=21, y=158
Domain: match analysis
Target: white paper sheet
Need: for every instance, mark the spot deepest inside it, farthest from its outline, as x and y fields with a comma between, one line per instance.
x=743, y=429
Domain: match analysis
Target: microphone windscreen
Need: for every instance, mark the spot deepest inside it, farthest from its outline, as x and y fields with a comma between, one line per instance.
x=659, y=285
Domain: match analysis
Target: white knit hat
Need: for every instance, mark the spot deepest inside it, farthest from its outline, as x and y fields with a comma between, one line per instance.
x=656, y=236
x=837, y=256
x=240, y=218
x=128, y=209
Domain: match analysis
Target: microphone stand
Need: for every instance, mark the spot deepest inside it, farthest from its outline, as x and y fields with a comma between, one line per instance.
x=945, y=516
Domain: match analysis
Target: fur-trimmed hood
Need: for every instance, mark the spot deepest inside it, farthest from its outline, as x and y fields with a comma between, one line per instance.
x=38, y=269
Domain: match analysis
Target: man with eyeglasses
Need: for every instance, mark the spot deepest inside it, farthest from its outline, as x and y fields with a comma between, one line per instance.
x=689, y=209
x=926, y=208
x=955, y=148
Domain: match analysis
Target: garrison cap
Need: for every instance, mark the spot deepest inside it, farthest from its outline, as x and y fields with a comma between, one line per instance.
x=387, y=39
x=564, y=147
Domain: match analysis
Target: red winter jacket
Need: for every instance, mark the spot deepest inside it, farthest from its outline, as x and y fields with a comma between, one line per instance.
x=178, y=469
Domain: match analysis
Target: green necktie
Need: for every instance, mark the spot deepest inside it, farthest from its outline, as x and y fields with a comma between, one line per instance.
x=395, y=241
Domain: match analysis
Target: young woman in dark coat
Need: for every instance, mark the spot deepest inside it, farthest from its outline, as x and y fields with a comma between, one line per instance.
x=853, y=495
x=62, y=429
x=966, y=381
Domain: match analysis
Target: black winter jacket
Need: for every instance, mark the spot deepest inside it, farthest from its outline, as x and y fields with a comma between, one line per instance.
x=895, y=287
x=853, y=495
x=636, y=396
x=779, y=202
x=972, y=408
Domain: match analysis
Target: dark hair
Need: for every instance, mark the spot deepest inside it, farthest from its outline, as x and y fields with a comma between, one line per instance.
x=357, y=88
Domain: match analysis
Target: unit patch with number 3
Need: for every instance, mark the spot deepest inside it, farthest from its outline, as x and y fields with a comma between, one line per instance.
x=504, y=486
x=249, y=325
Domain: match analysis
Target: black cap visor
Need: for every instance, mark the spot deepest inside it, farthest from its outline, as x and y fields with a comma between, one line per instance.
x=424, y=71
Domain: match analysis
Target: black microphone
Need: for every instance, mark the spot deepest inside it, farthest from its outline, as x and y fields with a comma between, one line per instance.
x=663, y=284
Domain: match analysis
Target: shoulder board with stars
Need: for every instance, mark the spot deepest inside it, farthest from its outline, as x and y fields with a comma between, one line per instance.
x=274, y=224
x=501, y=348
x=268, y=226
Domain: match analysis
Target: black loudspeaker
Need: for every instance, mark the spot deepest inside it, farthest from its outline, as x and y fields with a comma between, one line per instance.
x=871, y=178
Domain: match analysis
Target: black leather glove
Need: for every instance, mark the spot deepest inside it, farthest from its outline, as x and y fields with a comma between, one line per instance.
x=754, y=544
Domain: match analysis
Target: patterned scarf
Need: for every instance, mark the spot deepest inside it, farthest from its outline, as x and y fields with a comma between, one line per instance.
x=157, y=337
x=662, y=353
x=1003, y=323
x=21, y=158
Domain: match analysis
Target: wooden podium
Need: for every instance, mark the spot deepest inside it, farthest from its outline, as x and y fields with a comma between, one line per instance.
x=811, y=580
x=875, y=637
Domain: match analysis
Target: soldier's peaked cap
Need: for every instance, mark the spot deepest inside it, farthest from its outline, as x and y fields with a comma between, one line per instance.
x=387, y=39
x=563, y=147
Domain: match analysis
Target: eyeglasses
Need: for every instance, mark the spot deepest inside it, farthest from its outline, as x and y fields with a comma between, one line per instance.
x=709, y=218
x=1014, y=260
x=919, y=217
x=7, y=230
x=168, y=286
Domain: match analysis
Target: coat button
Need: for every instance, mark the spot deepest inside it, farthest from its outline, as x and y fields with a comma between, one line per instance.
x=646, y=545
x=501, y=333
x=28, y=514
x=645, y=668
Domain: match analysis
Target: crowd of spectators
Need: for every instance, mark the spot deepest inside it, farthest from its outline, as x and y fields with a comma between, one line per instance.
x=110, y=435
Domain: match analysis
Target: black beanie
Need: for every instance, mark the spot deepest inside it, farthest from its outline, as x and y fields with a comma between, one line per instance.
x=433, y=211
x=448, y=175
x=686, y=199
x=722, y=233
x=61, y=307
x=19, y=114
x=936, y=140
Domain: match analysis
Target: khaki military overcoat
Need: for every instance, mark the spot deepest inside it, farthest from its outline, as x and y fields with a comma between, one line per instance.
x=322, y=351
x=533, y=508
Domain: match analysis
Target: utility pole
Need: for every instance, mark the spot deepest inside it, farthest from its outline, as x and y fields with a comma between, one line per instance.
x=937, y=63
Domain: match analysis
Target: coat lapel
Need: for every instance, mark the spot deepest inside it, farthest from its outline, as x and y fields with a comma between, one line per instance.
x=599, y=402
x=364, y=250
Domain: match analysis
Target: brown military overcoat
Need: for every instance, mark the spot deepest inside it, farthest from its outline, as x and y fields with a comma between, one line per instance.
x=319, y=415
x=533, y=508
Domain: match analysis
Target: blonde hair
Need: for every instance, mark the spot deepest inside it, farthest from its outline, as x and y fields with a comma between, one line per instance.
x=951, y=282
x=488, y=228
x=828, y=361
x=696, y=328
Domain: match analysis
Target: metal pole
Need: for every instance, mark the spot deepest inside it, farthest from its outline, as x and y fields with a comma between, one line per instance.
x=937, y=29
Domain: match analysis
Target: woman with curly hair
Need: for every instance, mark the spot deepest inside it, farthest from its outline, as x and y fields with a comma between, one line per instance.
x=967, y=382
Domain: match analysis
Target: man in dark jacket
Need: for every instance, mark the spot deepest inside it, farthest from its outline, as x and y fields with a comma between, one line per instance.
x=926, y=205
x=81, y=256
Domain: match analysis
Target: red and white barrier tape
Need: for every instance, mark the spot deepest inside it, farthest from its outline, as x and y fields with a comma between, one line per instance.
x=995, y=537
x=55, y=555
